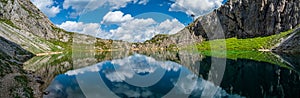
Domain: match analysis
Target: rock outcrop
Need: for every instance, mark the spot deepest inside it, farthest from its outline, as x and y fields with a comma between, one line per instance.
x=25, y=31
x=24, y=15
x=12, y=80
x=254, y=18
x=291, y=44
x=241, y=19
x=24, y=24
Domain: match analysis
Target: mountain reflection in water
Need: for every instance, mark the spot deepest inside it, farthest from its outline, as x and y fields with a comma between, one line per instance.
x=133, y=76
x=167, y=74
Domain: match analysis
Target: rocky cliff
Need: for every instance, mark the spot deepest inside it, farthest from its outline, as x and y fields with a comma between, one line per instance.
x=24, y=15
x=24, y=24
x=291, y=44
x=241, y=19
x=253, y=18
x=25, y=31
x=11, y=72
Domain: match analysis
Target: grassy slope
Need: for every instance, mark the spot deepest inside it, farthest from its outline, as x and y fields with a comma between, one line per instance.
x=249, y=44
x=244, y=48
x=37, y=44
x=251, y=55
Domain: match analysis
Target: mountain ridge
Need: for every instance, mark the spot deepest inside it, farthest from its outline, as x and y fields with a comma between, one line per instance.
x=23, y=23
x=236, y=18
x=25, y=31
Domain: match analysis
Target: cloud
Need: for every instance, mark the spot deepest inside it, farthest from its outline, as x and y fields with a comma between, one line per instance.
x=170, y=26
x=47, y=7
x=144, y=2
x=116, y=17
x=139, y=30
x=130, y=29
x=127, y=67
x=196, y=7
x=132, y=92
x=83, y=28
x=136, y=30
x=94, y=68
x=83, y=6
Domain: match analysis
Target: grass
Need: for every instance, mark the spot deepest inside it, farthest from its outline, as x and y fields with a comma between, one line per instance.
x=233, y=48
x=9, y=23
x=5, y=68
x=251, y=55
x=172, y=47
x=65, y=45
x=157, y=38
x=39, y=62
x=23, y=80
x=4, y=1
x=30, y=13
x=249, y=44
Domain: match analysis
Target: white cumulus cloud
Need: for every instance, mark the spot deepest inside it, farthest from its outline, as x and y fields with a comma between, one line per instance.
x=116, y=17
x=170, y=26
x=130, y=29
x=47, y=7
x=135, y=30
x=196, y=7
x=139, y=30
x=80, y=27
x=144, y=2
x=83, y=6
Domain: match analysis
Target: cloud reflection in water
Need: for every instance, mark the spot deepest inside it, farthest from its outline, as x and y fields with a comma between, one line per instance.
x=122, y=77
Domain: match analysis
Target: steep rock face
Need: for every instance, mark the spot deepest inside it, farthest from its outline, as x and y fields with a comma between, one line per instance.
x=291, y=44
x=182, y=38
x=11, y=72
x=13, y=51
x=24, y=24
x=26, y=39
x=241, y=19
x=26, y=16
x=253, y=18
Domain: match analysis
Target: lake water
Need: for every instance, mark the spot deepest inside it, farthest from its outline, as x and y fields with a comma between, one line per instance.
x=167, y=74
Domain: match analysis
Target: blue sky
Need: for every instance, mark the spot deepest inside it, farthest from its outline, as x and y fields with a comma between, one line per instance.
x=129, y=20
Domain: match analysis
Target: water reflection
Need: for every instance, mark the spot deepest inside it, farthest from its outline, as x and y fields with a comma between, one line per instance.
x=291, y=59
x=257, y=79
x=133, y=76
x=167, y=74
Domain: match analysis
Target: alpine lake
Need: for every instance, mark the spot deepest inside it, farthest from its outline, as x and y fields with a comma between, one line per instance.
x=168, y=74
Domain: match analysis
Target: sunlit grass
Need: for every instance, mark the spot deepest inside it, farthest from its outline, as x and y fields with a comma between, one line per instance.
x=249, y=44
x=233, y=48
x=250, y=55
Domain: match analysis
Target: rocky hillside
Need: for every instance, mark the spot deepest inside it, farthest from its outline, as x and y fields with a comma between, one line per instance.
x=11, y=71
x=11, y=53
x=25, y=31
x=238, y=18
x=24, y=15
x=291, y=44
x=23, y=23
x=253, y=18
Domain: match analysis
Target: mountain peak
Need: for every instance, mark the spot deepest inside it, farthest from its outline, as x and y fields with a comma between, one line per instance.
x=23, y=14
